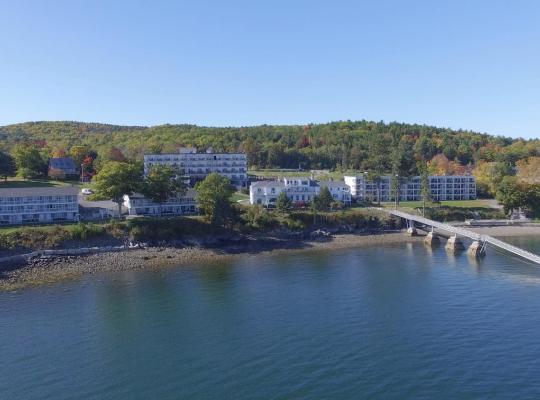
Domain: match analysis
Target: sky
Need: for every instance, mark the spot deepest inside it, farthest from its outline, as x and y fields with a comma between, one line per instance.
x=461, y=64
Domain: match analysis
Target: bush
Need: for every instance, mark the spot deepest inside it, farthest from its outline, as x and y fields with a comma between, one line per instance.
x=149, y=229
x=83, y=231
x=448, y=213
x=34, y=238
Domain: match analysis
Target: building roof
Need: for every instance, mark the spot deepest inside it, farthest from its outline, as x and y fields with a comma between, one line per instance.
x=63, y=163
x=190, y=193
x=267, y=183
x=39, y=191
x=333, y=183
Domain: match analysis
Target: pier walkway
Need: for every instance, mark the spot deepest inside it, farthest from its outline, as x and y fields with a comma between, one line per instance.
x=457, y=232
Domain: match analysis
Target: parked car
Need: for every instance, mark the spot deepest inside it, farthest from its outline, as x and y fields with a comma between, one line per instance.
x=86, y=191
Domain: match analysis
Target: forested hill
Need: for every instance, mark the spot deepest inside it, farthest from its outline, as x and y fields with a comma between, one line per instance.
x=346, y=144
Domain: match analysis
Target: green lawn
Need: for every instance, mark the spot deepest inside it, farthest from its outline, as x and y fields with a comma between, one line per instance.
x=238, y=196
x=450, y=203
x=21, y=183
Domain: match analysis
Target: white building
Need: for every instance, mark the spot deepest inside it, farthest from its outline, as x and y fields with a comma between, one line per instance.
x=444, y=187
x=339, y=190
x=299, y=190
x=137, y=204
x=197, y=166
x=35, y=205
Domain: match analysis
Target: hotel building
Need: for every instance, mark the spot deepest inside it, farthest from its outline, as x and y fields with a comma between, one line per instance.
x=444, y=187
x=196, y=166
x=38, y=205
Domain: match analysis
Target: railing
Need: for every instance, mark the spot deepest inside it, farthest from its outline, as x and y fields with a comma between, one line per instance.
x=527, y=255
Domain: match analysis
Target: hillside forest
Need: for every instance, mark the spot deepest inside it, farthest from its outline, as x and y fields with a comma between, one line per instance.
x=378, y=147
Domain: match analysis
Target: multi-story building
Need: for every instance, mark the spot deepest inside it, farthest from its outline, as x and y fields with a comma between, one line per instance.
x=299, y=190
x=137, y=204
x=444, y=187
x=35, y=205
x=196, y=166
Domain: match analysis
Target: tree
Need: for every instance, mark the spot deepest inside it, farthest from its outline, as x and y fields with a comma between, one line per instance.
x=78, y=153
x=29, y=162
x=511, y=194
x=213, y=196
x=529, y=170
x=424, y=186
x=161, y=184
x=324, y=199
x=117, y=179
x=283, y=203
x=7, y=165
x=490, y=174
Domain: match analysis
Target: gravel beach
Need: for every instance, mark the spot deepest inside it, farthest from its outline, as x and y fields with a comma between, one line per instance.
x=58, y=268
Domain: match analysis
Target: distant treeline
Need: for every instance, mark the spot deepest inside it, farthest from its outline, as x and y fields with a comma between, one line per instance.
x=362, y=145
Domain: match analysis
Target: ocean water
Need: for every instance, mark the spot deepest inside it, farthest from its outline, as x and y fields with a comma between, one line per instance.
x=392, y=322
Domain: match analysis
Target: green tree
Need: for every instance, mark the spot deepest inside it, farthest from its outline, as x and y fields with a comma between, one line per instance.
x=161, y=184
x=30, y=163
x=424, y=185
x=213, y=196
x=324, y=199
x=283, y=203
x=511, y=194
x=116, y=179
x=7, y=165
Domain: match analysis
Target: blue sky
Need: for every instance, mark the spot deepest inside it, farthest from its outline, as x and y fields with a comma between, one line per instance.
x=461, y=64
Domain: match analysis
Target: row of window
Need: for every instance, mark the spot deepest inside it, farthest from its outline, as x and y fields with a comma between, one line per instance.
x=38, y=208
x=195, y=158
x=37, y=199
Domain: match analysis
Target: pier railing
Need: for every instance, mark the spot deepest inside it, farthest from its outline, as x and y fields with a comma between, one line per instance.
x=458, y=231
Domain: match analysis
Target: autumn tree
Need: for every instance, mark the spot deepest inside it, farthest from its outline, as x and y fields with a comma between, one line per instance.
x=528, y=170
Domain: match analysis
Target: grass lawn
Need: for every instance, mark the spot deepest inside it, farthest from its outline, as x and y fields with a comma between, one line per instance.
x=21, y=183
x=450, y=203
x=239, y=196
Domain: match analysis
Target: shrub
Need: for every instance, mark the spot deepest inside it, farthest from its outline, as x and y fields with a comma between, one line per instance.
x=83, y=231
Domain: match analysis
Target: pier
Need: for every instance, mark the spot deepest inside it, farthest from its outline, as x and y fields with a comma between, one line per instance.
x=454, y=243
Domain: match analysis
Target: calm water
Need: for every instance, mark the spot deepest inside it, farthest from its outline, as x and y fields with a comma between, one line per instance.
x=381, y=323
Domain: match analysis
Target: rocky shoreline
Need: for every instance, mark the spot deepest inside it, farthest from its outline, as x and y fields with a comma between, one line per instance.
x=48, y=268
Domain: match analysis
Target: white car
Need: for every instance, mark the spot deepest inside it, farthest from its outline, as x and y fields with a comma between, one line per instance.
x=86, y=191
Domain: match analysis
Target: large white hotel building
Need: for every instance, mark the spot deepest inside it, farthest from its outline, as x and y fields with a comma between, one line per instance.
x=197, y=166
x=38, y=205
x=443, y=187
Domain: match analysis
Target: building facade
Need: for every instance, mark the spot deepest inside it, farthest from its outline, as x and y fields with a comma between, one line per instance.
x=38, y=205
x=339, y=190
x=299, y=190
x=196, y=166
x=444, y=187
x=137, y=204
